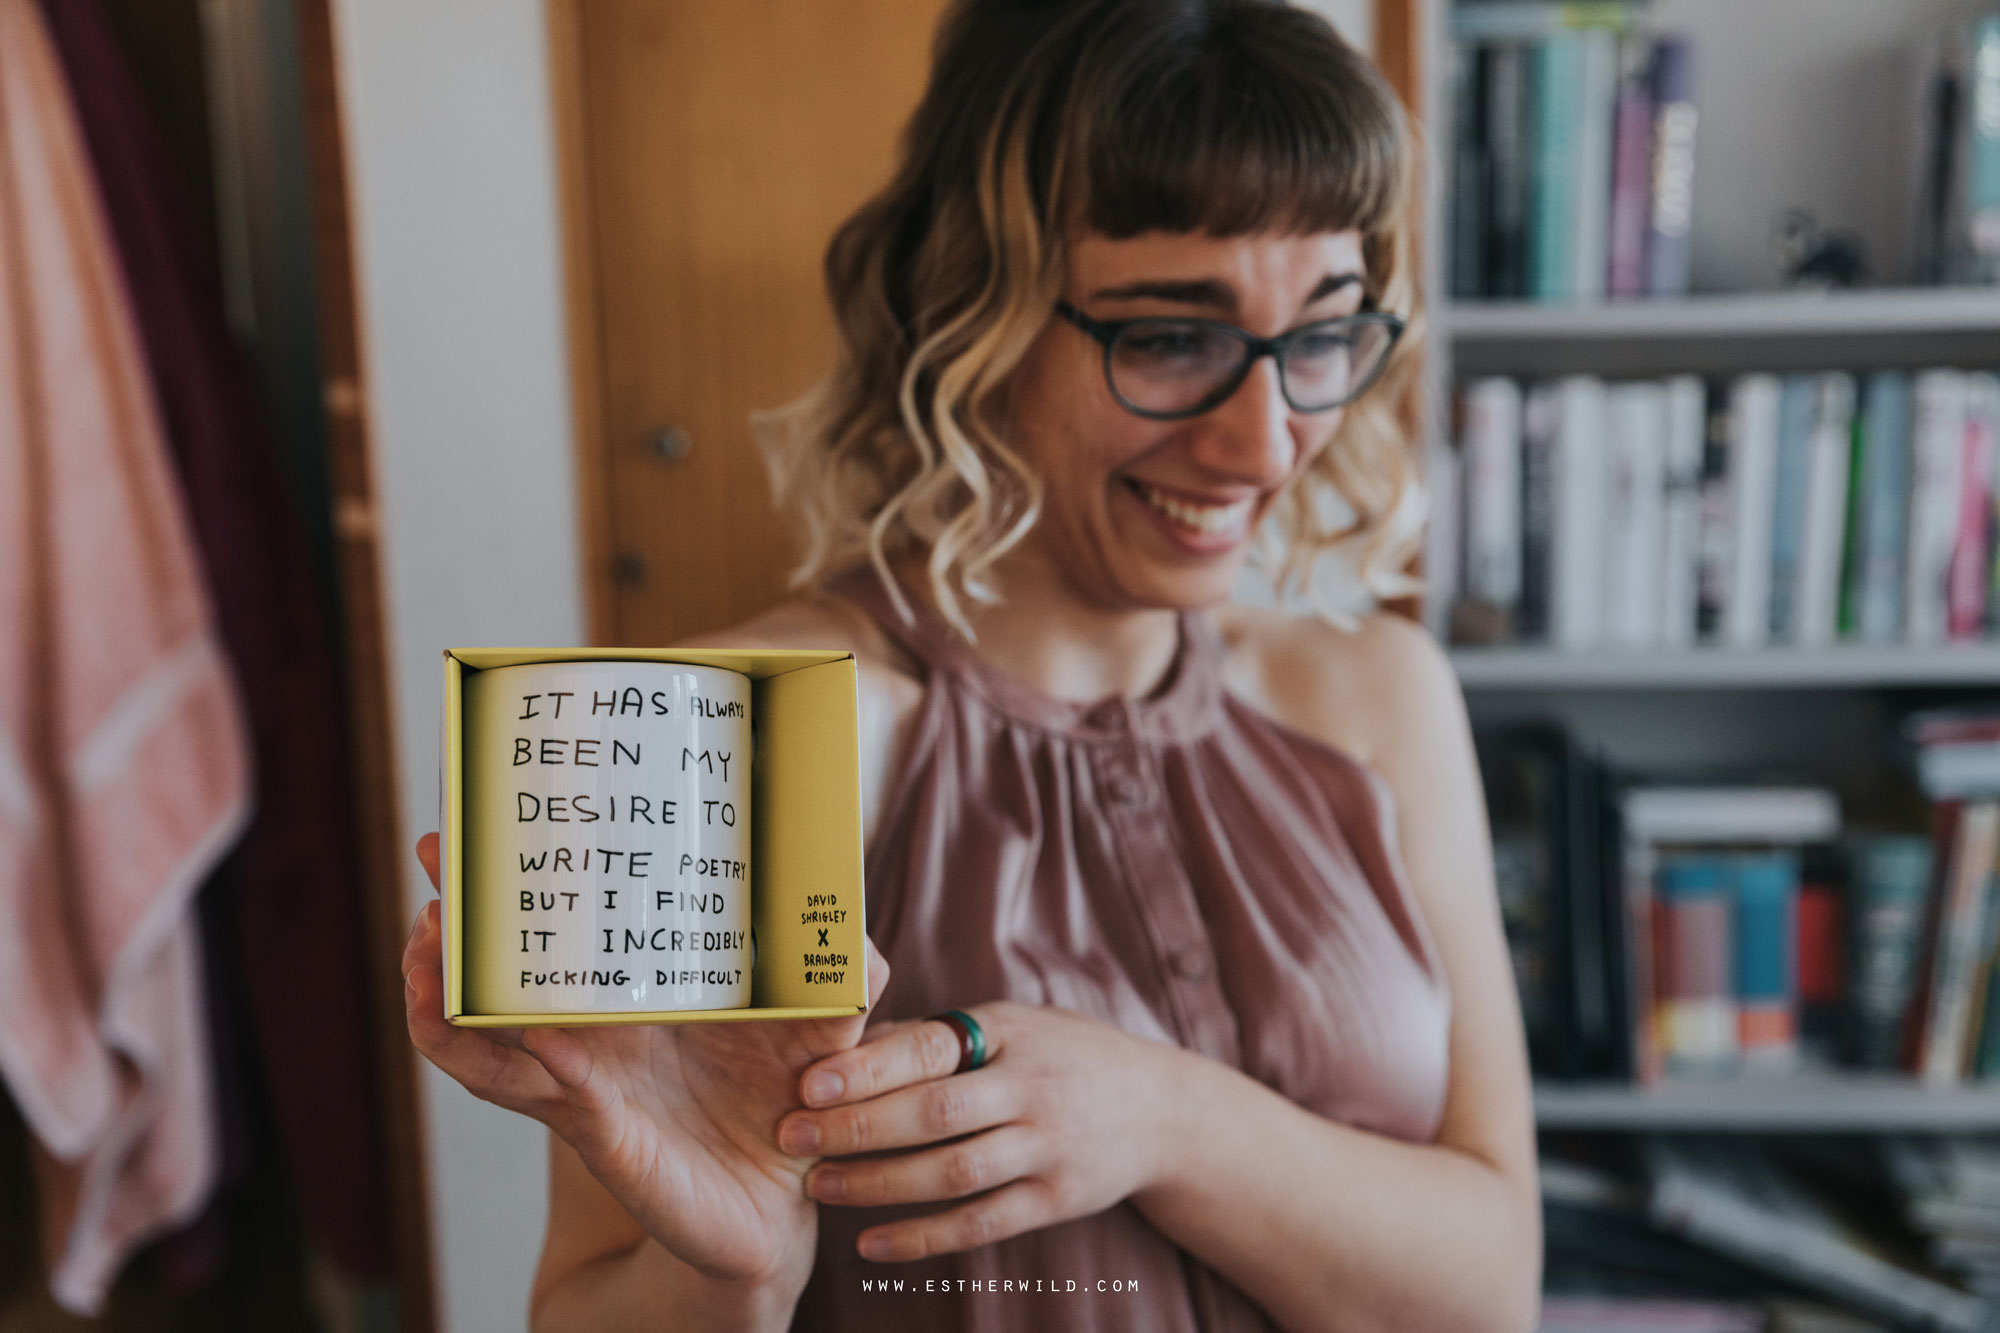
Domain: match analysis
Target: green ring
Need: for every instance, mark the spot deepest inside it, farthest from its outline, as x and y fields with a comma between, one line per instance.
x=976, y=1033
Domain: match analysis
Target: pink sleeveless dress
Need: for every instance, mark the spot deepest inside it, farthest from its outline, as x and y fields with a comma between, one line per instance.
x=1183, y=867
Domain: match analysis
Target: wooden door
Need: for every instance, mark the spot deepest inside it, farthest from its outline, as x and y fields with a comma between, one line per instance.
x=711, y=147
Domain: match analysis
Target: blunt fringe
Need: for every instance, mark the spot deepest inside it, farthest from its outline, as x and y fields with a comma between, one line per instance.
x=1043, y=118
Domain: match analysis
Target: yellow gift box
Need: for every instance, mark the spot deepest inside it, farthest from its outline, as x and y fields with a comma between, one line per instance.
x=805, y=836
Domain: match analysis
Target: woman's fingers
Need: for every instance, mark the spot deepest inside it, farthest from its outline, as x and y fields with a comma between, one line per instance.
x=427, y=852
x=489, y=1069
x=942, y=1108
x=1009, y=1211
x=878, y=971
x=972, y=1166
x=908, y=1054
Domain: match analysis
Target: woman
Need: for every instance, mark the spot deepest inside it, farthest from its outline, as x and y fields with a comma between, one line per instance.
x=1211, y=884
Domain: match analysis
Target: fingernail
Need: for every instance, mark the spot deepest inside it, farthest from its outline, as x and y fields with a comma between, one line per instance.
x=410, y=983
x=823, y=1086
x=827, y=1184
x=875, y=1247
x=799, y=1137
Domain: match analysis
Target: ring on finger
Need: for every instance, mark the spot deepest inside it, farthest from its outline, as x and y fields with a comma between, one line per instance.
x=971, y=1038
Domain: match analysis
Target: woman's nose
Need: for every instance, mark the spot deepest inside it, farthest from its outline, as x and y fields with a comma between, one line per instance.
x=1248, y=435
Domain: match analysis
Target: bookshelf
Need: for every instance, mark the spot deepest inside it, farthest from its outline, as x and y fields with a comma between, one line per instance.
x=1799, y=105
x=1831, y=1102
x=1846, y=666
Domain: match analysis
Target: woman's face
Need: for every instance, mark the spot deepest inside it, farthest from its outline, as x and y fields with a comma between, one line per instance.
x=1143, y=513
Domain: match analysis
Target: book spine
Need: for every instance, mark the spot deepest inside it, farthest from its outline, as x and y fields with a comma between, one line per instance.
x=1507, y=91
x=1753, y=462
x=1590, y=197
x=1788, y=509
x=1698, y=1011
x=1819, y=949
x=1847, y=611
x=1631, y=154
x=1983, y=405
x=1538, y=435
x=1577, y=542
x=1885, y=507
x=1641, y=923
x=1686, y=435
x=1965, y=588
x=1495, y=19
x=1715, y=549
x=1961, y=931
x=1767, y=887
x=1468, y=184
x=1492, y=455
x=1982, y=185
x=1826, y=509
x=1635, y=493
x=1938, y=452
x=1444, y=534
x=1668, y=251
x=1888, y=888
x=1942, y=115
x=1554, y=163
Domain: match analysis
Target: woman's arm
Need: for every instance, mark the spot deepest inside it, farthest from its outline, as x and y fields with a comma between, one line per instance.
x=1327, y=1226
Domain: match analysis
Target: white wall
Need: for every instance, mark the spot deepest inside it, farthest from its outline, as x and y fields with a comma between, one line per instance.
x=449, y=145
x=449, y=148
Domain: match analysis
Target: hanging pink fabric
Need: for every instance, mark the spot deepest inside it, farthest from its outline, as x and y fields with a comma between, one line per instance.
x=124, y=773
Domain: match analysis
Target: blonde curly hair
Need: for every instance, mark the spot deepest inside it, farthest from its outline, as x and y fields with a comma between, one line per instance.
x=1044, y=118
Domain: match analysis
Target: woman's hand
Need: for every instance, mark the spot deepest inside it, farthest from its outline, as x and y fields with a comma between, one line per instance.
x=678, y=1121
x=1067, y=1117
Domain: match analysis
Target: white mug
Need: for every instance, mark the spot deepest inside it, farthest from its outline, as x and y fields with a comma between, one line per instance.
x=607, y=838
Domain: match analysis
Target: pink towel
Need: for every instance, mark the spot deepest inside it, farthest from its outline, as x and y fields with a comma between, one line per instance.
x=124, y=773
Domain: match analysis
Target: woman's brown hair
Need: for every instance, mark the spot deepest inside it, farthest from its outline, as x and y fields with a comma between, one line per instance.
x=1043, y=117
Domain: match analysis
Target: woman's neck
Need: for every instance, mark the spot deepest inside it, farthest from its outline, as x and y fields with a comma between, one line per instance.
x=1049, y=638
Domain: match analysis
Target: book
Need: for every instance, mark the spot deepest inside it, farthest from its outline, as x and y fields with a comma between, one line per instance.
x=1506, y=90
x=1694, y=918
x=1590, y=229
x=1668, y=249
x=1968, y=840
x=1753, y=461
x=1884, y=501
x=1443, y=549
x=1982, y=187
x=1939, y=241
x=1968, y=574
x=1767, y=985
x=1788, y=507
x=1468, y=173
x=1820, y=949
x=1846, y=616
x=1685, y=437
x=1635, y=497
x=1937, y=445
x=1735, y=1201
x=1889, y=883
x=1760, y=815
x=1631, y=163
x=1576, y=536
x=1538, y=433
x=1820, y=550
x=1555, y=163
x=1982, y=410
x=1715, y=548
x=1492, y=454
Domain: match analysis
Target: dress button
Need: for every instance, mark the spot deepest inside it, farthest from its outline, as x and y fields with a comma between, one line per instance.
x=1127, y=789
x=1191, y=963
x=1107, y=716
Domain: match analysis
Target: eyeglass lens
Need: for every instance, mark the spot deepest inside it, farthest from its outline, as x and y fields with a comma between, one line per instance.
x=1168, y=365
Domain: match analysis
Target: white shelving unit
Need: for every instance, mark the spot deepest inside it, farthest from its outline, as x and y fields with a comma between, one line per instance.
x=1798, y=314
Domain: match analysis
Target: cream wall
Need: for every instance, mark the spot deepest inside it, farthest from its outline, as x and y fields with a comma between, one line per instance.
x=449, y=144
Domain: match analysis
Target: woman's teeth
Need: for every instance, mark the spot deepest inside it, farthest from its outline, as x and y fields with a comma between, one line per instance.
x=1209, y=520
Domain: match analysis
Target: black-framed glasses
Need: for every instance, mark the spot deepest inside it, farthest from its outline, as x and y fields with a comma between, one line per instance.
x=1166, y=368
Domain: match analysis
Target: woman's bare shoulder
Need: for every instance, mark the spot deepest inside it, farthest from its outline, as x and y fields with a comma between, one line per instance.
x=1359, y=688
x=813, y=618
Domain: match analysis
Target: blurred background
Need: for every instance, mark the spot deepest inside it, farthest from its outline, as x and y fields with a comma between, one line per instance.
x=437, y=322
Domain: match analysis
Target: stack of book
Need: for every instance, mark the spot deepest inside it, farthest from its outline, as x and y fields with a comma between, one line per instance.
x=1950, y=1196
x=1573, y=155
x=1802, y=510
x=1661, y=931
x=1713, y=1235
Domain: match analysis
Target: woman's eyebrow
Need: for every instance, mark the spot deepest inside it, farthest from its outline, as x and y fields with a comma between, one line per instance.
x=1332, y=283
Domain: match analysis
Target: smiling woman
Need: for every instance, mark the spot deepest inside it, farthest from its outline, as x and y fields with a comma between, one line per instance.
x=1192, y=1005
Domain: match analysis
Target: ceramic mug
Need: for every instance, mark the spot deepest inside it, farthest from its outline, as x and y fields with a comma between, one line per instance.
x=607, y=838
